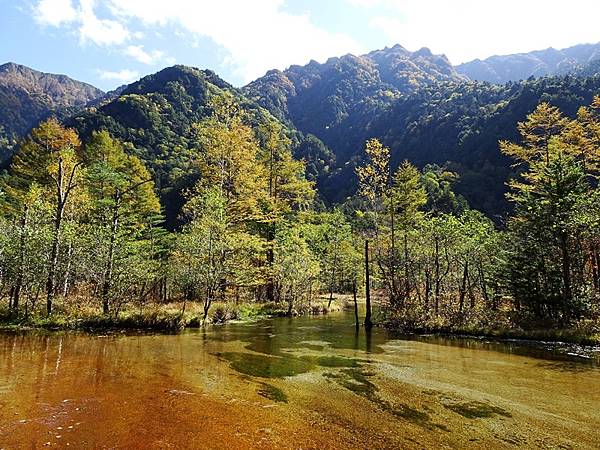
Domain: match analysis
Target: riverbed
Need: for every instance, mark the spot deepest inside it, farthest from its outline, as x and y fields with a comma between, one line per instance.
x=308, y=382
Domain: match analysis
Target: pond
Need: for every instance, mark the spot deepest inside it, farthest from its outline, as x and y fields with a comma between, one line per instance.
x=309, y=382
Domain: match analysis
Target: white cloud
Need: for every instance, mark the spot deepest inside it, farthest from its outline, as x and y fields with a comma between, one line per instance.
x=138, y=53
x=54, y=12
x=99, y=31
x=122, y=76
x=256, y=35
x=364, y=3
x=469, y=29
x=89, y=27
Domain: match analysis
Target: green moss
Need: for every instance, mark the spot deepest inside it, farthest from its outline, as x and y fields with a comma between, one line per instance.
x=477, y=410
x=332, y=361
x=272, y=393
x=356, y=380
x=264, y=366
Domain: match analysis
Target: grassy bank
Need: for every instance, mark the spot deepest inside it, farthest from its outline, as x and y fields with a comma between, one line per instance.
x=169, y=317
x=497, y=324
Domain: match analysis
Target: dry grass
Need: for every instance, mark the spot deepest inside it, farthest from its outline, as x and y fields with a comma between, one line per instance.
x=78, y=313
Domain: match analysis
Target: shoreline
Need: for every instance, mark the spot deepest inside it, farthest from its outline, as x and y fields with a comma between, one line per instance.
x=558, y=336
x=174, y=323
x=160, y=319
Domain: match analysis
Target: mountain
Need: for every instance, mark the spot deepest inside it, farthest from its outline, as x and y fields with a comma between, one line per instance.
x=415, y=102
x=28, y=96
x=156, y=117
x=520, y=66
x=319, y=97
x=328, y=102
x=436, y=117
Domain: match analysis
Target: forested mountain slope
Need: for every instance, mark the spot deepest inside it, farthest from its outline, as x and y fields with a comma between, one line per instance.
x=458, y=125
x=436, y=118
x=415, y=102
x=504, y=68
x=157, y=115
x=319, y=97
x=28, y=96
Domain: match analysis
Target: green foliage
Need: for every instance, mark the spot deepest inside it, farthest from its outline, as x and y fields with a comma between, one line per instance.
x=296, y=269
x=550, y=264
x=421, y=110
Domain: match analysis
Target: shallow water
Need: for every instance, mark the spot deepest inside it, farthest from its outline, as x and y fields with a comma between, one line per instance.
x=309, y=382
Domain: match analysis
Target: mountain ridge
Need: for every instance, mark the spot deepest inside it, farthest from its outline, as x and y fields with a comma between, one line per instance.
x=415, y=102
x=501, y=69
x=28, y=96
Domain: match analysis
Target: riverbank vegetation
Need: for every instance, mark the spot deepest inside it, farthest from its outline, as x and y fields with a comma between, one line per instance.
x=81, y=224
x=449, y=269
x=83, y=240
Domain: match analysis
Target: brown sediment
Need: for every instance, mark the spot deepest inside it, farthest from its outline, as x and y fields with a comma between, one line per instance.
x=268, y=385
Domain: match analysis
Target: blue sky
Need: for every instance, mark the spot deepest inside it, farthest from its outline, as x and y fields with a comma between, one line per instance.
x=111, y=42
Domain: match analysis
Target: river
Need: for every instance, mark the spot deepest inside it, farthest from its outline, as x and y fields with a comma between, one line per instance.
x=309, y=382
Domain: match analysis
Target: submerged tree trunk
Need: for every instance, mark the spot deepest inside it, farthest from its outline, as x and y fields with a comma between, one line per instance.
x=332, y=281
x=368, y=321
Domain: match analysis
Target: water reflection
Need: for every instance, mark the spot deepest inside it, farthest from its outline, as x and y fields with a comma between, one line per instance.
x=325, y=365
x=337, y=331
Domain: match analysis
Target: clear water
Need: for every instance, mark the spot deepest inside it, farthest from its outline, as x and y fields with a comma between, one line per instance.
x=313, y=382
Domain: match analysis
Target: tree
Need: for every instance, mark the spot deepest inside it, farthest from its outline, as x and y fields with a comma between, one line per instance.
x=49, y=157
x=296, y=269
x=203, y=251
x=374, y=183
x=546, y=260
x=407, y=197
x=122, y=196
x=288, y=189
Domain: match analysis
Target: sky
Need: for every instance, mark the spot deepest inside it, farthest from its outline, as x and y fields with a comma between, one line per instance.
x=112, y=42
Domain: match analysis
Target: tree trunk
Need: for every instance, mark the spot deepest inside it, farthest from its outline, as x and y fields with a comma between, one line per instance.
x=50, y=283
x=484, y=287
x=65, y=289
x=356, y=322
x=393, y=284
x=368, y=321
x=332, y=281
x=207, y=303
x=463, y=286
x=596, y=264
x=427, y=288
x=110, y=262
x=437, y=275
x=406, y=268
x=270, y=291
x=566, y=270
x=62, y=195
x=470, y=292
x=16, y=292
